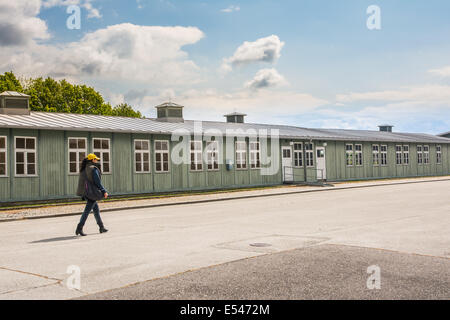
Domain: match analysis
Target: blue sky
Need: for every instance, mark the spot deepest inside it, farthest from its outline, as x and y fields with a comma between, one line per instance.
x=323, y=66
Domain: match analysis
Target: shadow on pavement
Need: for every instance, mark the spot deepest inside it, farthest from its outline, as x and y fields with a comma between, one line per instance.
x=55, y=239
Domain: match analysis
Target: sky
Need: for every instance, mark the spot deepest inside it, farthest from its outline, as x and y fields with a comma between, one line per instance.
x=307, y=63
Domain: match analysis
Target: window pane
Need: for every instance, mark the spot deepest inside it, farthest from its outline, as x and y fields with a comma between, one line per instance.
x=72, y=157
x=146, y=157
x=20, y=168
x=158, y=157
x=146, y=167
x=81, y=143
x=73, y=167
x=2, y=169
x=158, y=145
x=137, y=145
x=166, y=166
x=158, y=166
x=82, y=156
x=138, y=157
x=166, y=157
x=106, y=167
x=106, y=156
x=2, y=143
x=2, y=157
x=20, y=157
x=138, y=167
x=97, y=144
x=20, y=143
x=105, y=144
x=145, y=145
x=31, y=169
x=30, y=143
x=164, y=145
x=73, y=143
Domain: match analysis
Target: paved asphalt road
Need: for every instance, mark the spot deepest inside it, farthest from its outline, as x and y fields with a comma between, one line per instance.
x=318, y=272
x=321, y=244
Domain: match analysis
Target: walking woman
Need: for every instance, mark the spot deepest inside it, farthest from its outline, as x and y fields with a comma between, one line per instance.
x=90, y=188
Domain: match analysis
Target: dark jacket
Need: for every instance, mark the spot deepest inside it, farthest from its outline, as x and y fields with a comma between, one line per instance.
x=91, y=175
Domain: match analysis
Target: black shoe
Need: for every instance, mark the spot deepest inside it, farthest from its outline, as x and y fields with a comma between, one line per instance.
x=79, y=231
x=103, y=230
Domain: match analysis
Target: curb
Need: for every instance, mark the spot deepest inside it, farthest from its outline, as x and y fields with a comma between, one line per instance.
x=224, y=199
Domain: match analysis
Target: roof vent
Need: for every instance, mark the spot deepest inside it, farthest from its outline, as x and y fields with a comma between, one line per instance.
x=12, y=102
x=386, y=127
x=235, y=117
x=170, y=112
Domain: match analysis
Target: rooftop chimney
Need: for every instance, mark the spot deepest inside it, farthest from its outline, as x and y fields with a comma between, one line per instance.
x=12, y=102
x=386, y=127
x=170, y=112
x=235, y=117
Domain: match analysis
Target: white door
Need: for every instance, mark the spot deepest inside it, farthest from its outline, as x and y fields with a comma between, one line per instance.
x=321, y=163
x=288, y=173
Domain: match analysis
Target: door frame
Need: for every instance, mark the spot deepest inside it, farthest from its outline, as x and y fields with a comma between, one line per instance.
x=290, y=177
x=321, y=175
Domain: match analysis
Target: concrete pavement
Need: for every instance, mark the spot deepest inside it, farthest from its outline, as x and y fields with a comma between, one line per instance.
x=145, y=244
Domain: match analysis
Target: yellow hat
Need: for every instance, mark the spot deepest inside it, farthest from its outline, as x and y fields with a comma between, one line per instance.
x=92, y=156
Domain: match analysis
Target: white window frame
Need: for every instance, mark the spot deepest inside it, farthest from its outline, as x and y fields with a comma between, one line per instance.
x=255, y=155
x=398, y=155
x=198, y=155
x=383, y=155
x=359, y=163
x=77, y=152
x=426, y=154
x=5, y=150
x=376, y=155
x=309, y=155
x=25, y=169
x=405, y=158
x=141, y=153
x=349, y=155
x=419, y=154
x=212, y=155
x=102, y=151
x=438, y=154
x=299, y=154
x=162, y=152
x=241, y=155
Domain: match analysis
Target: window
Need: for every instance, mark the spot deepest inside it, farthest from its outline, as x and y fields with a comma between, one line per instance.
x=101, y=149
x=161, y=156
x=241, y=155
x=309, y=154
x=438, y=156
x=212, y=155
x=375, y=155
x=25, y=149
x=349, y=154
x=77, y=152
x=196, y=156
x=358, y=155
x=255, y=161
x=398, y=154
x=426, y=154
x=142, y=156
x=298, y=155
x=405, y=155
x=419, y=155
x=3, y=157
x=383, y=155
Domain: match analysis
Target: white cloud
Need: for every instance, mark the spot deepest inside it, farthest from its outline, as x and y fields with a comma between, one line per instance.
x=442, y=72
x=230, y=9
x=19, y=24
x=128, y=52
x=266, y=78
x=86, y=4
x=418, y=93
x=266, y=49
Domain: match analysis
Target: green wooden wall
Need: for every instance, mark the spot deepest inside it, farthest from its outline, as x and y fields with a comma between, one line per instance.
x=54, y=181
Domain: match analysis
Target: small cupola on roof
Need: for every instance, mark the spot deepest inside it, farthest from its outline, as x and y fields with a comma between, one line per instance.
x=12, y=102
x=169, y=112
x=235, y=117
x=386, y=127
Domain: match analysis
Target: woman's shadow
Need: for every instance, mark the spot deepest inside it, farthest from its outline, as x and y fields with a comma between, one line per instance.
x=55, y=239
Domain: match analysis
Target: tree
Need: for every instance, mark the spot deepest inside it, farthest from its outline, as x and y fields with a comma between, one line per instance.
x=125, y=110
x=51, y=95
x=9, y=82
